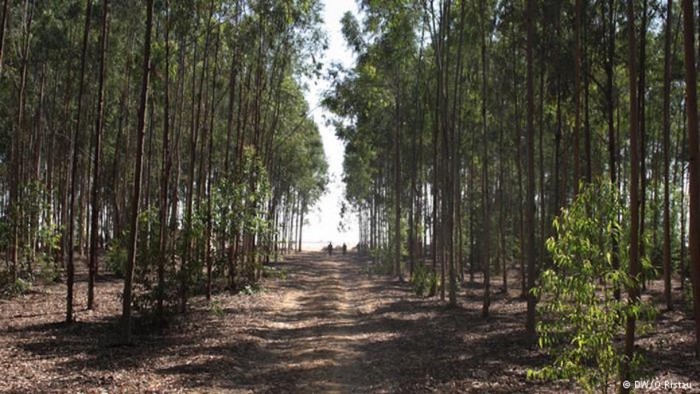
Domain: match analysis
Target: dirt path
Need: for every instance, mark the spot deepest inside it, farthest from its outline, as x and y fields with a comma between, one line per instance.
x=327, y=327
x=319, y=324
x=338, y=330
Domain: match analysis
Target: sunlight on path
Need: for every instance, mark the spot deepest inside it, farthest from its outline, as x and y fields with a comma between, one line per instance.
x=318, y=325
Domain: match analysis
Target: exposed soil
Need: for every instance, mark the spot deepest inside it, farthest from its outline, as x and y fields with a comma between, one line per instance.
x=328, y=327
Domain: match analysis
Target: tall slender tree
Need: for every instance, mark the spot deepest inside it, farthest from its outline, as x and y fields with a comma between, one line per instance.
x=138, y=172
x=667, y=142
x=577, y=95
x=75, y=149
x=485, y=185
x=167, y=163
x=633, y=289
x=691, y=109
x=530, y=187
x=97, y=159
x=3, y=26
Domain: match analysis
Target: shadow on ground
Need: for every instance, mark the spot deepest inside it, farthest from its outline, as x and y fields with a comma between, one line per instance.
x=327, y=328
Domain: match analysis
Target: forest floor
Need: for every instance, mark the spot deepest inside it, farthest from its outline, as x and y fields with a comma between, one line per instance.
x=327, y=327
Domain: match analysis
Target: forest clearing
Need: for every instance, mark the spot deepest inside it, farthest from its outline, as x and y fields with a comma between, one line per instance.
x=509, y=192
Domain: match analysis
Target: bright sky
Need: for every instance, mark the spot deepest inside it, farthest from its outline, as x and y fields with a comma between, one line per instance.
x=324, y=219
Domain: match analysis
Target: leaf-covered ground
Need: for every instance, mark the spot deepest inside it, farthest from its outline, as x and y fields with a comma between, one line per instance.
x=327, y=327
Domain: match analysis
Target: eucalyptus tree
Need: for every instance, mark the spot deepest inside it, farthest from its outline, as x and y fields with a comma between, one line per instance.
x=529, y=204
x=668, y=37
x=138, y=172
x=3, y=25
x=374, y=106
x=74, y=167
x=633, y=290
x=97, y=158
x=693, y=160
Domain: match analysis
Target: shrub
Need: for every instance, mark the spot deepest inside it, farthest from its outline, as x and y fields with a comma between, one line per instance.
x=50, y=238
x=216, y=309
x=581, y=323
x=423, y=279
x=13, y=288
x=116, y=258
x=275, y=273
x=384, y=264
x=252, y=289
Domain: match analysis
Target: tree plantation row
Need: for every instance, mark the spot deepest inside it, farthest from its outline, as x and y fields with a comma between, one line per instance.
x=559, y=138
x=168, y=139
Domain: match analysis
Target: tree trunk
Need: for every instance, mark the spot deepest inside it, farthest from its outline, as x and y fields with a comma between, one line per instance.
x=486, y=199
x=74, y=169
x=667, y=142
x=693, y=161
x=633, y=292
x=209, y=178
x=610, y=114
x=96, y=182
x=577, y=96
x=530, y=189
x=138, y=171
x=452, y=181
x=165, y=175
x=501, y=201
x=519, y=170
x=14, y=207
x=642, y=132
x=301, y=223
x=397, y=191
x=3, y=26
x=586, y=66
